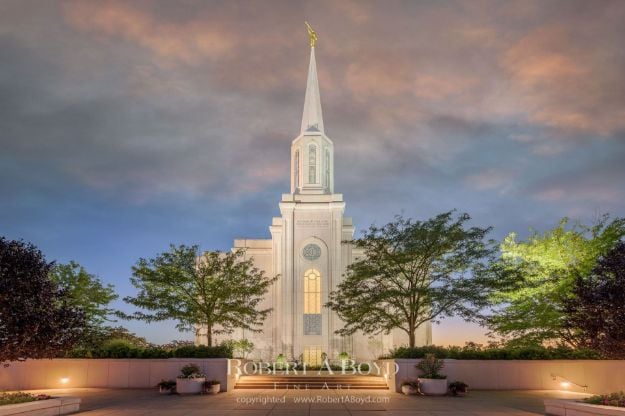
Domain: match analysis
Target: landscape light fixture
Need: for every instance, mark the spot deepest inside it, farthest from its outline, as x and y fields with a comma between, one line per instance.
x=565, y=383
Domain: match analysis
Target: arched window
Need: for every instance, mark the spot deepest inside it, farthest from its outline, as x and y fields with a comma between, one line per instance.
x=296, y=168
x=327, y=171
x=312, y=292
x=312, y=164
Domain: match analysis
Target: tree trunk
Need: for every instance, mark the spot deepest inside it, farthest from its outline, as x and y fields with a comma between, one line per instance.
x=209, y=335
x=411, y=338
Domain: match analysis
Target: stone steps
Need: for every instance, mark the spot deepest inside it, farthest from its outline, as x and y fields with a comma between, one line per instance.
x=311, y=382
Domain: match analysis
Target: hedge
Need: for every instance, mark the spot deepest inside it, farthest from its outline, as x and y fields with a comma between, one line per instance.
x=516, y=353
x=122, y=349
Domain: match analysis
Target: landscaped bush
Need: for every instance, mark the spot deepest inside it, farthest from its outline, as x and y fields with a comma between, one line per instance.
x=20, y=397
x=124, y=349
x=473, y=352
x=613, y=399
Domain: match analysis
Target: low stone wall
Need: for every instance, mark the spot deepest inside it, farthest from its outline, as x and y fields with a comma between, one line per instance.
x=601, y=376
x=111, y=373
x=573, y=408
x=50, y=407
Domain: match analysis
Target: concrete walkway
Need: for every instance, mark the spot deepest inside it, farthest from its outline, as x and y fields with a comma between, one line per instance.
x=135, y=402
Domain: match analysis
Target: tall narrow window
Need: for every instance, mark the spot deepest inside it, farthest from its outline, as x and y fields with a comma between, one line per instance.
x=312, y=302
x=296, y=169
x=327, y=171
x=312, y=164
x=312, y=291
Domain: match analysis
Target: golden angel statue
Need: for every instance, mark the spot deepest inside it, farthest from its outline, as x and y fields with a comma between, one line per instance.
x=312, y=34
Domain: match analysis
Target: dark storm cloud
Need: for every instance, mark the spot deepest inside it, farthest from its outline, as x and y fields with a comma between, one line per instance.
x=166, y=121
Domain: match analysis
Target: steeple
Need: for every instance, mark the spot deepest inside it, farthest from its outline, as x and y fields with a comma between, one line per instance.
x=312, y=119
x=312, y=152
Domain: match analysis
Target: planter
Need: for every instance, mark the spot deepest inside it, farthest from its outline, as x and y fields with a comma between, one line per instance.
x=58, y=406
x=213, y=388
x=163, y=390
x=433, y=386
x=408, y=390
x=190, y=385
x=569, y=407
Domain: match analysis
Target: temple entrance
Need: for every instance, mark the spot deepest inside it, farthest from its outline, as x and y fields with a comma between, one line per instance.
x=312, y=355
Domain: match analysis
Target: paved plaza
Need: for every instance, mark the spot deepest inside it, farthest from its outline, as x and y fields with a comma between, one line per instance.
x=135, y=402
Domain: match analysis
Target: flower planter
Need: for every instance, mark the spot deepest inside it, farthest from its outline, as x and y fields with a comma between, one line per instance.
x=408, y=390
x=54, y=406
x=190, y=385
x=569, y=407
x=213, y=388
x=433, y=386
x=163, y=390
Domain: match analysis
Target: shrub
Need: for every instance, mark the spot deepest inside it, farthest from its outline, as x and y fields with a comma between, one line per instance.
x=458, y=387
x=476, y=352
x=190, y=371
x=613, y=399
x=431, y=366
x=120, y=348
x=20, y=397
x=411, y=383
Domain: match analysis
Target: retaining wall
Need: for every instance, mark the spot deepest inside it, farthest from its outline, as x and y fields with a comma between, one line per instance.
x=600, y=376
x=111, y=373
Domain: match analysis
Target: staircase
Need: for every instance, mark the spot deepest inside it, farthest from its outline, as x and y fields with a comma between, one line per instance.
x=294, y=382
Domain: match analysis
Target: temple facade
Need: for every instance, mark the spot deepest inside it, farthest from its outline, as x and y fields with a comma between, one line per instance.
x=306, y=250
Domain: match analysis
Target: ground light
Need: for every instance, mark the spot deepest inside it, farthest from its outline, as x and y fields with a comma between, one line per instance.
x=64, y=380
x=565, y=383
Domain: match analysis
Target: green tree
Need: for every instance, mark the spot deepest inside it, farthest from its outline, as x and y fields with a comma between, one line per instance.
x=240, y=347
x=36, y=321
x=596, y=311
x=213, y=292
x=531, y=312
x=413, y=272
x=85, y=291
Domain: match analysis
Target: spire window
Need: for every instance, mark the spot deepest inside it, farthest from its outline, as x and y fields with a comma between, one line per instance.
x=327, y=170
x=312, y=164
x=296, y=169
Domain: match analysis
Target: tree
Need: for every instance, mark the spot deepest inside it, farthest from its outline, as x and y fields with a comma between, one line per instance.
x=413, y=272
x=36, y=321
x=216, y=292
x=596, y=311
x=85, y=291
x=242, y=347
x=531, y=312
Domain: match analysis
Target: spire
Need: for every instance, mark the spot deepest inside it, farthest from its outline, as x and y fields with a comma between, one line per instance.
x=312, y=119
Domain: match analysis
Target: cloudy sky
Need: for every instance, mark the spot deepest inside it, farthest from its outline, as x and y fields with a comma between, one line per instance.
x=127, y=126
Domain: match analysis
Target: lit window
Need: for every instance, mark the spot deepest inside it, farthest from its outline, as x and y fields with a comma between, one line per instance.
x=312, y=291
x=312, y=164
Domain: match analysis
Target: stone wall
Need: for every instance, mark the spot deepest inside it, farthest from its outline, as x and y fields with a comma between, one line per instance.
x=600, y=376
x=111, y=373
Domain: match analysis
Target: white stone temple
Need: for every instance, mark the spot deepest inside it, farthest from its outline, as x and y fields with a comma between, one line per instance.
x=306, y=251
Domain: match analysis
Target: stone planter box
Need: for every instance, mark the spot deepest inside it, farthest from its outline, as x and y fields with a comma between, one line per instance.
x=573, y=408
x=433, y=386
x=50, y=407
x=190, y=385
